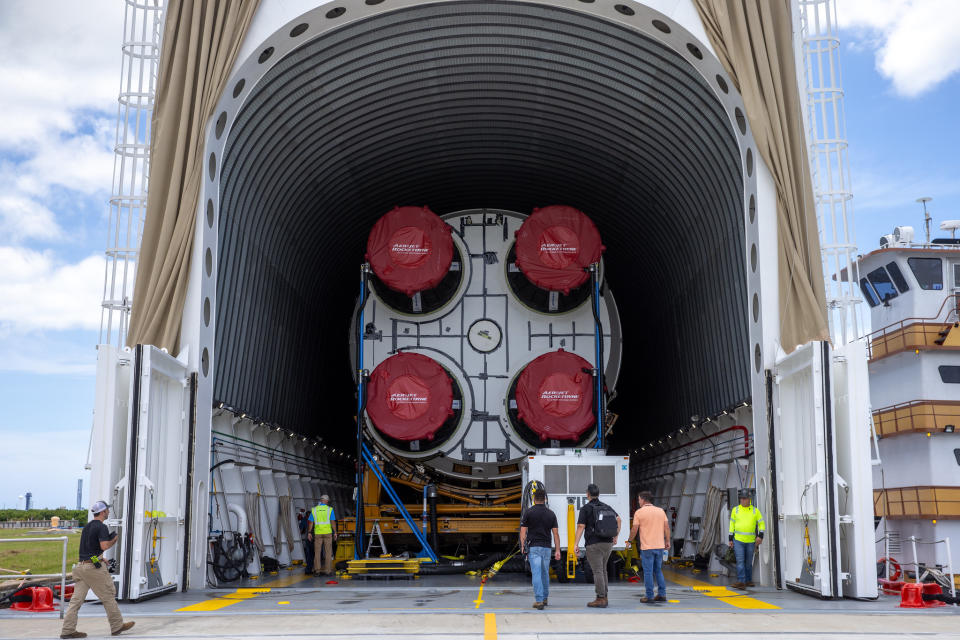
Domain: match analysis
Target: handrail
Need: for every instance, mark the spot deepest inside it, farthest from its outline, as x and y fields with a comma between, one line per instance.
x=915, y=416
x=916, y=320
x=63, y=566
x=916, y=563
x=722, y=451
x=743, y=429
x=913, y=403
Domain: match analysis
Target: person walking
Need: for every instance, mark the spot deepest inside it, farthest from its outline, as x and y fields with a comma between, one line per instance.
x=304, y=523
x=653, y=527
x=746, y=530
x=601, y=524
x=323, y=536
x=536, y=527
x=91, y=572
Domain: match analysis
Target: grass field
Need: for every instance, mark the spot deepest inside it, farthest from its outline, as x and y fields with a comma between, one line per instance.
x=38, y=557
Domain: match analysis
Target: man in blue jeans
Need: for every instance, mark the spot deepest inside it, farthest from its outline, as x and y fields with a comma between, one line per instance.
x=650, y=522
x=535, y=528
x=746, y=531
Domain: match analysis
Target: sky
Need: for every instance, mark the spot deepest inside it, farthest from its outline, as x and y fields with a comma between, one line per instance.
x=59, y=80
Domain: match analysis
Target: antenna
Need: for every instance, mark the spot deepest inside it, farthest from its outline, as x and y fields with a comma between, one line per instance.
x=926, y=215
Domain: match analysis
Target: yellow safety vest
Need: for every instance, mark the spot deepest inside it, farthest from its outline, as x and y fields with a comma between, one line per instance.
x=745, y=522
x=321, y=519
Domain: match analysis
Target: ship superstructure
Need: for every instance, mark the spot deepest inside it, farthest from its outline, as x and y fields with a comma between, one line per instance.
x=913, y=290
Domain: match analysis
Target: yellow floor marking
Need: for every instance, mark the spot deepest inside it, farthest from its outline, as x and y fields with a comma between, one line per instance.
x=287, y=581
x=673, y=601
x=284, y=602
x=489, y=626
x=479, y=599
x=721, y=593
x=227, y=600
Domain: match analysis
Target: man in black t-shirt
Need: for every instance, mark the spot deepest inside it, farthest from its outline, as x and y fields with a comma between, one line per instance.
x=536, y=527
x=597, y=548
x=91, y=573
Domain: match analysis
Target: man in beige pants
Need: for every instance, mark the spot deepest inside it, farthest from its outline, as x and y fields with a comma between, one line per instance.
x=91, y=573
x=323, y=535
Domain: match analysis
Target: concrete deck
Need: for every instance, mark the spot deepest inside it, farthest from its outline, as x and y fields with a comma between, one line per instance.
x=296, y=606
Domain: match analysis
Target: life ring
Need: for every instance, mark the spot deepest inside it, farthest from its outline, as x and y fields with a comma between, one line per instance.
x=896, y=566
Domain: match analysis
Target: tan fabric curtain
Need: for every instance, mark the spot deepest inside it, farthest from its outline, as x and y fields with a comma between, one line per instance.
x=754, y=41
x=201, y=39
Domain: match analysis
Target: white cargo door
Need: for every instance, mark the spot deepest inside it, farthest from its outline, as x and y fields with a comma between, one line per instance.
x=158, y=474
x=805, y=450
x=854, y=438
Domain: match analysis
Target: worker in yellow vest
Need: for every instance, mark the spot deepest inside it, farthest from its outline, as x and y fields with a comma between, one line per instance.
x=746, y=530
x=324, y=534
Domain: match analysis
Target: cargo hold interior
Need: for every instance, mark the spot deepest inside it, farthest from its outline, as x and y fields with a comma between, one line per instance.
x=500, y=105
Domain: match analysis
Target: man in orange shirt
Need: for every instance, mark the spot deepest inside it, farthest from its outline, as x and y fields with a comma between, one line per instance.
x=650, y=521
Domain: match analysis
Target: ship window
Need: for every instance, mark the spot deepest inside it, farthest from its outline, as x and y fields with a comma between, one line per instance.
x=882, y=284
x=956, y=276
x=928, y=271
x=868, y=293
x=956, y=454
x=894, y=270
x=950, y=373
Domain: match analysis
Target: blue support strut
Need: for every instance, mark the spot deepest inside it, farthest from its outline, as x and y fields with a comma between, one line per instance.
x=385, y=483
x=360, y=527
x=598, y=343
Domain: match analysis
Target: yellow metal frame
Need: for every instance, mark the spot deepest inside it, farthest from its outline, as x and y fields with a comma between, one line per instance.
x=498, y=511
x=571, y=538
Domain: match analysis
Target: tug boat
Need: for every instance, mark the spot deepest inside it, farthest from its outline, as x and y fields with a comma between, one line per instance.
x=913, y=291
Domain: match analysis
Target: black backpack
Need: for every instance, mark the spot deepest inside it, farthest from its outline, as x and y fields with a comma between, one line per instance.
x=604, y=521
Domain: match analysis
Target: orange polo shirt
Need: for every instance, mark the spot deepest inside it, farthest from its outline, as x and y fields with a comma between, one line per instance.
x=651, y=522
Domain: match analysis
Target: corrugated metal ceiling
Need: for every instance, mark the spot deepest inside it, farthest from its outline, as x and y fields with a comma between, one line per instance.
x=500, y=105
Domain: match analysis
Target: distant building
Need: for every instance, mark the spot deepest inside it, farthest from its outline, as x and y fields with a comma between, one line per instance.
x=79, y=493
x=29, y=497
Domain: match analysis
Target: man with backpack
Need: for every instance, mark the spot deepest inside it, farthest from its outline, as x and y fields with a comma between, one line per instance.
x=601, y=524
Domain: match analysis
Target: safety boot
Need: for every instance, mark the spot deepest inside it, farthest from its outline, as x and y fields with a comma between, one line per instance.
x=126, y=626
x=75, y=634
x=599, y=603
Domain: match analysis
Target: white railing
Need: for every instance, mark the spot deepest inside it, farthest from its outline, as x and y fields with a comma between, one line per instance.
x=63, y=567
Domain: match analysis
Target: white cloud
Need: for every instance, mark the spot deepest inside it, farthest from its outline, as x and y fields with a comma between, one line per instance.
x=80, y=162
x=22, y=218
x=57, y=58
x=915, y=41
x=38, y=292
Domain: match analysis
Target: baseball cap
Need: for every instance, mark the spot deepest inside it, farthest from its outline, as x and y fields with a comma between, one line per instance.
x=744, y=493
x=99, y=507
x=324, y=497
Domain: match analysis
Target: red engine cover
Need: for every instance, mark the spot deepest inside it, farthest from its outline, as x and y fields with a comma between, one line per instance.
x=555, y=397
x=554, y=247
x=409, y=397
x=410, y=249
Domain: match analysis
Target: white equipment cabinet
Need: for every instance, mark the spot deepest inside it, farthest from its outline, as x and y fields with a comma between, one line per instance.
x=566, y=473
